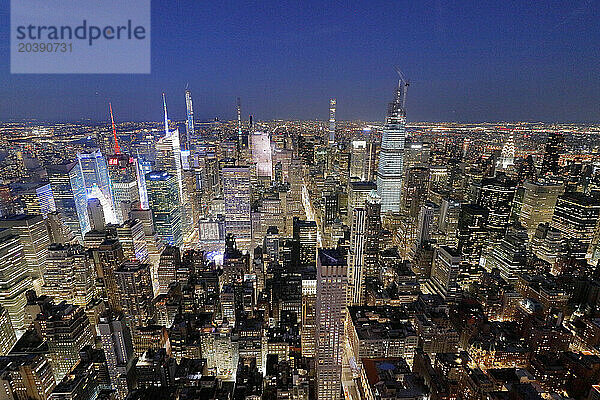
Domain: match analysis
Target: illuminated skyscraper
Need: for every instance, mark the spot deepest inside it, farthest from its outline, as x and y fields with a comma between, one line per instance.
x=358, y=160
x=554, y=147
x=332, y=280
x=70, y=196
x=577, y=217
x=95, y=178
x=34, y=237
x=356, y=257
x=507, y=157
x=70, y=275
x=305, y=233
x=14, y=279
x=391, y=156
x=38, y=200
x=331, y=130
x=189, y=127
x=7, y=332
x=539, y=200
x=163, y=198
x=236, y=195
x=444, y=273
x=117, y=344
x=124, y=182
x=135, y=291
x=66, y=329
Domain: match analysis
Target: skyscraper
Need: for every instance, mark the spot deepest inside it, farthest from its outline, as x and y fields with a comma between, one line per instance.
x=33, y=234
x=163, y=198
x=96, y=181
x=236, y=195
x=117, y=344
x=14, y=279
x=66, y=329
x=331, y=129
x=189, y=127
x=332, y=280
x=356, y=257
x=135, y=291
x=70, y=196
x=305, y=233
x=554, y=147
x=70, y=275
x=124, y=182
x=391, y=156
x=539, y=200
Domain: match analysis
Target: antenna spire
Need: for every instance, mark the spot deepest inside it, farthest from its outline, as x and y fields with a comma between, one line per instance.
x=112, y=120
x=166, y=118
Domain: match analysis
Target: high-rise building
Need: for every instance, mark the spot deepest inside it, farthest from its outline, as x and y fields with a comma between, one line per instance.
x=472, y=232
x=70, y=196
x=14, y=279
x=305, y=233
x=132, y=237
x=497, y=194
x=331, y=129
x=577, y=217
x=507, y=157
x=356, y=257
x=509, y=256
x=163, y=198
x=135, y=291
x=66, y=329
x=391, y=157
x=29, y=375
x=308, y=327
x=539, y=200
x=332, y=280
x=108, y=257
x=553, y=149
x=189, y=126
x=123, y=175
x=358, y=160
x=444, y=273
x=170, y=260
x=38, y=200
x=94, y=170
x=115, y=337
x=70, y=275
x=373, y=235
x=96, y=214
x=33, y=234
x=7, y=332
x=236, y=196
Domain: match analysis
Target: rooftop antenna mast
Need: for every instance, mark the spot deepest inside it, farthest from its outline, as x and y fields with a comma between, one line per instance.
x=117, y=148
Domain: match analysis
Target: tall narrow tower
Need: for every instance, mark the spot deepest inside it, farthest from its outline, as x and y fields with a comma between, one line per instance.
x=391, y=156
x=189, y=127
x=239, y=119
x=331, y=131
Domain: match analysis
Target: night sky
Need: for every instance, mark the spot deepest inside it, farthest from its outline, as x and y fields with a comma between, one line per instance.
x=466, y=60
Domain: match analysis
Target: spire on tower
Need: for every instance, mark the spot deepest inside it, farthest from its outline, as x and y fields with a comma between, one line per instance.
x=117, y=148
x=166, y=117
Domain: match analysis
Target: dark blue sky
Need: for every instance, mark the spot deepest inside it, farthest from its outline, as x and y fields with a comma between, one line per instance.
x=466, y=60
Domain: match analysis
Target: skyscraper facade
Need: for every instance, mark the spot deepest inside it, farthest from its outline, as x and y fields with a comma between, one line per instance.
x=331, y=129
x=124, y=183
x=236, y=195
x=70, y=196
x=163, y=198
x=332, y=280
x=391, y=156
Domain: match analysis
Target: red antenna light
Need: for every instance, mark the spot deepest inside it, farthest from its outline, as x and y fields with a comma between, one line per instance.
x=117, y=148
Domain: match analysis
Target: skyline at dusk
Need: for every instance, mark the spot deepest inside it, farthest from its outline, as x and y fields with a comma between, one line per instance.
x=465, y=62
